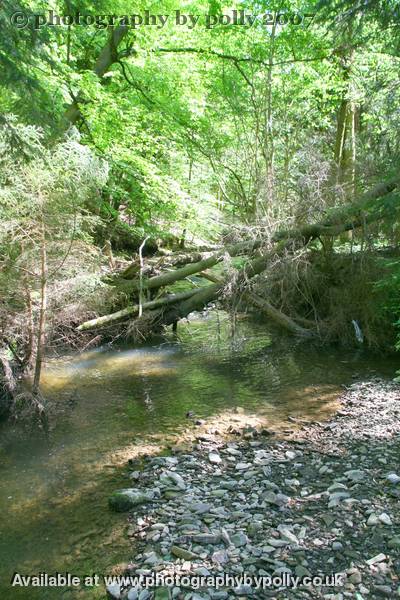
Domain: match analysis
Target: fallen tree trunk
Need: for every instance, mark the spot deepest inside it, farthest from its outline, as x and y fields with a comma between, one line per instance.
x=270, y=311
x=154, y=320
x=276, y=315
x=345, y=218
x=125, y=313
x=189, y=269
x=339, y=221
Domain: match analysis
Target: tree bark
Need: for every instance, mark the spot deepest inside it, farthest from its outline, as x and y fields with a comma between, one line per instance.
x=126, y=313
x=189, y=269
x=107, y=57
x=42, y=318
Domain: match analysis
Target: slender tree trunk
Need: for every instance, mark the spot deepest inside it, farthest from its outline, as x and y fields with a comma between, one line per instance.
x=269, y=138
x=42, y=317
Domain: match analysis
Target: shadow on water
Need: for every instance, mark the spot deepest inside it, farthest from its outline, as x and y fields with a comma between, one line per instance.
x=110, y=403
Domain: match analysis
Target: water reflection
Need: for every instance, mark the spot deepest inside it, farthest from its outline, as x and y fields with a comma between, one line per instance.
x=109, y=403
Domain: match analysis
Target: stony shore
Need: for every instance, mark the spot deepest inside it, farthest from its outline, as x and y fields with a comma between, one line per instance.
x=322, y=501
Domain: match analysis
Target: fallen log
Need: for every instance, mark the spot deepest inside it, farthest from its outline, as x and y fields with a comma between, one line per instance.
x=170, y=277
x=128, y=312
x=268, y=309
x=345, y=218
x=277, y=316
x=154, y=320
x=341, y=220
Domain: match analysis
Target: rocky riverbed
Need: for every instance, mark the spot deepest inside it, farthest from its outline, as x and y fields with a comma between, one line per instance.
x=322, y=500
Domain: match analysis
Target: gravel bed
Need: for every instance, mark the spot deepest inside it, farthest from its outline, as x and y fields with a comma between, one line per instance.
x=324, y=502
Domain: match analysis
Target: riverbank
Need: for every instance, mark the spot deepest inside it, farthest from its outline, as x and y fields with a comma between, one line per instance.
x=318, y=500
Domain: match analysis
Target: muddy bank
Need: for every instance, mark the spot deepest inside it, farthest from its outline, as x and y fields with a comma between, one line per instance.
x=322, y=501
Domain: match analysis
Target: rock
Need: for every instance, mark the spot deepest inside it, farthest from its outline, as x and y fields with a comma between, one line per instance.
x=239, y=539
x=133, y=594
x=355, y=577
x=337, y=487
x=290, y=454
x=394, y=542
x=206, y=538
x=220, y=556
x=214, y=458
x=200, y=508
x=385, y=519
x=182, y=553
x=161, y=593
x=393, y=478
x=355, y=475
x=289, y=536
x=125, y=499
x=254, y=527
x=202, y=571
x=373, y=519
x=337, y=546
x=301, y=571
x=275, y=543
x=114, y=591
x=383, y=590
x=270, y=497
x=376, y=559
x=176, y=478
x=152, y=559
x=243, y=466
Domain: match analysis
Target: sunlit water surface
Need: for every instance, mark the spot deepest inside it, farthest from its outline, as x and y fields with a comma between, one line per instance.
x=110, y=402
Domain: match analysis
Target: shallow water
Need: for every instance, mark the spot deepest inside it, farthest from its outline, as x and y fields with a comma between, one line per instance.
x=111, y=403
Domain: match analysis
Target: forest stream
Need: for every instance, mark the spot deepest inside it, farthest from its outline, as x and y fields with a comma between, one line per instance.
x=112, y=402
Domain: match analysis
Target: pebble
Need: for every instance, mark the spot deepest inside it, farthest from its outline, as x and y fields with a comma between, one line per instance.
x=393, y=478
x=262, y=509
x=214, y=458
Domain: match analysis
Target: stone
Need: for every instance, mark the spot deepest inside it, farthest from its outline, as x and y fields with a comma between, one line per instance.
x=337, y=546
x=383, y=590
x=202, y=571
x=275, y=543
x=114, y=591
x=243, y=466
x=220, y=556
x=289, y=536
x=290, y=455
x=214, y=458
x=355, y=577
x=301, y=571
x=133, y=594
x=355, y=475
x=270, y=497
x=385, y=519
x=182, y=553
x=239, y=539
x=376, y=559
x=393, y=478
x=206, y=538
x=125, y=499
x=177, y=479
x=161, y=593
x=200, y=508
x=394, y=542
x=373, y=519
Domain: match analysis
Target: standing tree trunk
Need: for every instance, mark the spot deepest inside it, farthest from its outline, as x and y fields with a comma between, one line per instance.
x=41, y=337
